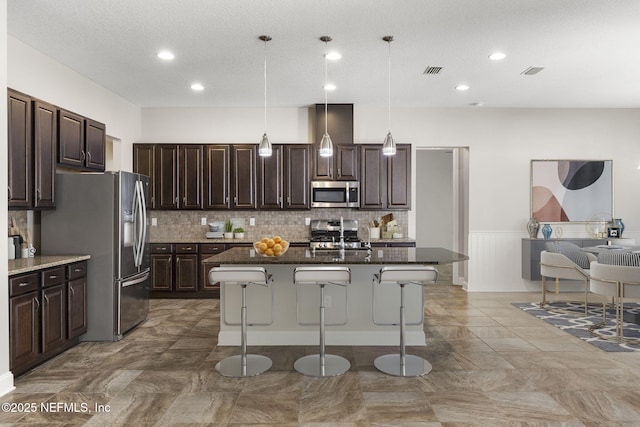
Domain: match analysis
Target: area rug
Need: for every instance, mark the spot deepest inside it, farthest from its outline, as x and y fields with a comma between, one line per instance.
x=578, y=324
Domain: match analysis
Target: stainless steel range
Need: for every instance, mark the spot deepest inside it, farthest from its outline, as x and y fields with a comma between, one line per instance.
x=329, y=233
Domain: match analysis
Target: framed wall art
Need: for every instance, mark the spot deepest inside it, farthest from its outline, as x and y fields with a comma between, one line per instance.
x=571, y=190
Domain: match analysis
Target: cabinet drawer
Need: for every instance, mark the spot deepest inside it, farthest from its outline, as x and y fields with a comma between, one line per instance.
x=53, y=276
x=77, y=270
x=186, y=248
x=22, y=284
x=161, y=248
x=212, y=248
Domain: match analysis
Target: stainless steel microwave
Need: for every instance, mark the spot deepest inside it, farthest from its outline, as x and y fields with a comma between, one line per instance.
x=335, y=194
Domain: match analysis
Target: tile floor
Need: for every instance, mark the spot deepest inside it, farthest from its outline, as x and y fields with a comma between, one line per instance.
x=493, y=365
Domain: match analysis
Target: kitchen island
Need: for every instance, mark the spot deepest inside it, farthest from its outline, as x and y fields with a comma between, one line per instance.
x=354, y=305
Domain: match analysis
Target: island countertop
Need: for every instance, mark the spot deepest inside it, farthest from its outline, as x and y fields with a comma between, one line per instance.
x=301, y=255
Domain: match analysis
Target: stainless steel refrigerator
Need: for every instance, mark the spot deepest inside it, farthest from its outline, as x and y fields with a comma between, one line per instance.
x=104, y=215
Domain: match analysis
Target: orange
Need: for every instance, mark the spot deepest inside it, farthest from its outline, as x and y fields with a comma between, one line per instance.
x=264, y=239
x=277, y=247
x=270, y=243
x=269, y=252
x=277, y=239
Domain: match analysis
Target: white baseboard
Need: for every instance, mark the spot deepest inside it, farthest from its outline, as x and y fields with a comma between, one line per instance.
x=6, y=383
x=356, y=338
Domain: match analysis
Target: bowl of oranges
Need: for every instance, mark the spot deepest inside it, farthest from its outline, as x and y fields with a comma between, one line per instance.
x=271, y=246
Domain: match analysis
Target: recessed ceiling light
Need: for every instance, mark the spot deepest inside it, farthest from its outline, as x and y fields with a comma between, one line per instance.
x=197, y=87
x=462, y=87
x=497, y=56
x=333, y=56
x=329, y=86
x=166, y=55
x=477, y=104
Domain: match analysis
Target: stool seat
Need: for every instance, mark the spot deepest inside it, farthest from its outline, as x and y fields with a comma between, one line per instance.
x=402, y=364
x=322, y=365
x=244, y=364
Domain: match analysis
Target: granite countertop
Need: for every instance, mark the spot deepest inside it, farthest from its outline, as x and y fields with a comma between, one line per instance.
x=26, y=265
x=299, y=255
x=245, y=240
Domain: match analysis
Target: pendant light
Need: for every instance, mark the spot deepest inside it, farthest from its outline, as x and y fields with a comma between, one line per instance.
x=326, y=145
x=264, y=149
x=389, y=145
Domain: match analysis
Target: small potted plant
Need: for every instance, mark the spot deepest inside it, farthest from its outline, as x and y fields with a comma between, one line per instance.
x=228, y=229
x=238, y=233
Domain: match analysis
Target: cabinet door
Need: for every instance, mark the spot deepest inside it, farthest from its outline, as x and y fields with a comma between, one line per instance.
x=24, y=325
x=244, y=177
x=54, y=317
x=77, y=307
x=162, y=272
x=296, y=167
x=71, y=139
x=143, y=163
x=20, y=151
x=216, y=177
x=322, y=166
x=187, y=272
x=166, y=156
x=372, y=184
x=95, y=141
x=346, y=163
x=399, y=178
x=190, y=177
x=207, y=250
x=271, y=180
x=44, y=153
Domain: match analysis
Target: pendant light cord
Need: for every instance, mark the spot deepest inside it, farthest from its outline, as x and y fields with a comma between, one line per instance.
x=389, y=70
x=265, y=85
x=326, y=51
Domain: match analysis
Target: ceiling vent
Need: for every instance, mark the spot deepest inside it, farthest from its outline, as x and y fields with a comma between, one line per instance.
x=432, y=70
x=532, y=71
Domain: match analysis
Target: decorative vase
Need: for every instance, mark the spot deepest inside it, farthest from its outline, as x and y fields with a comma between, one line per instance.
x=228, y=235
x=617, y=222
x=546, y=231
x=532, y=227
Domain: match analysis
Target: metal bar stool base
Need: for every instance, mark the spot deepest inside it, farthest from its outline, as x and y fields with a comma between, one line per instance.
x=232, y=366
x=333, y=365
x=414, y=366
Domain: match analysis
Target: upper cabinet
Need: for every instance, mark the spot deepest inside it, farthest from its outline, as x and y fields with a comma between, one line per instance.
x=284, y=178
x=386, y=180
x=344, y=164
x=244, y=185
x=178, y=176
x=144, y=163
x=81, y=142
x=32, y=146
x=216, y=176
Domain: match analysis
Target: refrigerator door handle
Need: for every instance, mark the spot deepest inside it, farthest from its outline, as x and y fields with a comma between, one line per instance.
x=143, y=209
x=134, y=210
x=136, y=280
x=140, y=222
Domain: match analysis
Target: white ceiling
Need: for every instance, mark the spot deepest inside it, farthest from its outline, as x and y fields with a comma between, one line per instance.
x=590, y=50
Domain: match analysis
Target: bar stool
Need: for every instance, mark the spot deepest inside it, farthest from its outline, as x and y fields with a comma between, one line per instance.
x=321, y=365
x=404, y=365
x=242, y=365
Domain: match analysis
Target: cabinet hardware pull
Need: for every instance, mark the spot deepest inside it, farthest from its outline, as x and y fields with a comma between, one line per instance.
x=37, y=302
x=38, y=193
x=187, y=249
x=9, y=190
x=23, y=284
x=46, y=299
x=235, y=200
x=73, y=293
x=53, y=276
x=226, y=200
x=83, y=155
x=77, y=270
x=177, y=200
x=89, y=155
x=184, y=200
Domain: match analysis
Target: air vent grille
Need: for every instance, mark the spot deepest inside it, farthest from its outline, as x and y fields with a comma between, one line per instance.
x=532, y=71
x=432, y=70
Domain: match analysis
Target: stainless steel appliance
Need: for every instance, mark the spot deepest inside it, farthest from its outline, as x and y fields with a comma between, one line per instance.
x=104, y=215
x=326, y=234
x=335, y=194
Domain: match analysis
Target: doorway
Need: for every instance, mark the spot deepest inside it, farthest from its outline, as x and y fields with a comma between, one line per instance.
x=442, y=205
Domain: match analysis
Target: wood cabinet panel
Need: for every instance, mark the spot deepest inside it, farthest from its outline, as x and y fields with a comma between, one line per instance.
x=271, y=182
x=374, y=171
x=190, y=176
x=71, y=139
x=217, y=177
x=45, y=130
x=386, y=180
x=166, y=156
x=399, y=178
x=244, y=177
x=77, y=307
x=347, y=163
x=54, y=317
x=19, y=151
x=187, y=272
x=95, y=141
x=297, y=173
x=339, y=123
x=162, y=272
x=143, y=163
x=24, y=321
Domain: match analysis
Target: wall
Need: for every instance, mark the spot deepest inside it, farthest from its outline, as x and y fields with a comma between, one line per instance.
x=501, y=144
x=6, y=378
x=36, y=74
x=434, y=198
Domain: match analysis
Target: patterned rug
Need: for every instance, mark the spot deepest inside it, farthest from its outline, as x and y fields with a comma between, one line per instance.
x=578, y=324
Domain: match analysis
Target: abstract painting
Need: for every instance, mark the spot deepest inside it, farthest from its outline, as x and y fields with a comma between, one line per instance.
x=571, y=190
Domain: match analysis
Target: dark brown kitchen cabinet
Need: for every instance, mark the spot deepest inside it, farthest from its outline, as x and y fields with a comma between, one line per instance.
x=144, y=163
x=339, y=123
x=190, y=176
x=244, y=182
x=271, y=182
x=44, y=154
x=216, y=176
x=386, y=180
x=95, y=141
x=19, y=151
x=161, y=267
x=342, y=166
x=166, y=156
x=177, y=176
x=296, y=176
x=207, y=250
x=47, y=314
x=186, y=267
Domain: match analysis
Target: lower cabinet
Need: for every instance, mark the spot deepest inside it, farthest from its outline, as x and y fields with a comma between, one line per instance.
x=47, y=314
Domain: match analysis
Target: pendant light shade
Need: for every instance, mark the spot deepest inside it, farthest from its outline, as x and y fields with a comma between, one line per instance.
x=264, y=149
x=326, y=145
x=389, y=145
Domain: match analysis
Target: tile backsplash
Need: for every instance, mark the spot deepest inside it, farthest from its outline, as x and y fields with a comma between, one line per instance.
x=183, y=225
